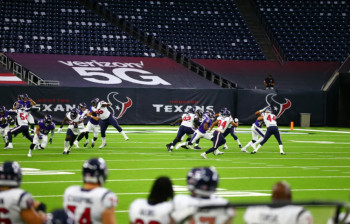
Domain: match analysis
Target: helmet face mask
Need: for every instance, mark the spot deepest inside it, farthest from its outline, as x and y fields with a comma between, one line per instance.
x=2, y=110
x=199, y=113
x=94, y=102
x=210, y=113
x=82, y=105
x=202, y=181
x=73, y=113
x=48, y=120
x=10, y=174
x=95, y=171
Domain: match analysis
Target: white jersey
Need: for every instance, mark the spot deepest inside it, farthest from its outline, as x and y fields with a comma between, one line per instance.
x=188, y=120
x=87, y=206
x=22, y=117
x=12, y=201
x=101, y=111
x=341, y=217
x=289, y=214
x=213, y=216
x=270, y=120
x=223, y=124
x=146, y=213
x=73, y=123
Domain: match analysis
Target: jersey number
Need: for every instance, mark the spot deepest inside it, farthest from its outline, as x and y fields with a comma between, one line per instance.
x=203, y=219
x=23, y=116
x=222, y=124
x=4, y=221
x=99, y=111
x=140, y=221
x=270, y=118
x=85, y=218
x=187, y=118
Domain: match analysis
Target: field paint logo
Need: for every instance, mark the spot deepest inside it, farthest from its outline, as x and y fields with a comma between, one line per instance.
x=118, y=107
x=277, y=108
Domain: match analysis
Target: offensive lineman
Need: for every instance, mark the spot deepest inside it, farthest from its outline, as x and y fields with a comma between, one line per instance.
x=285, y=214
x=202, y=183
x=106, y=119
x=91, y=203
x=272, y=129
x=223, y=122
x=45, y=126
x=17, y=205
x=155, y=209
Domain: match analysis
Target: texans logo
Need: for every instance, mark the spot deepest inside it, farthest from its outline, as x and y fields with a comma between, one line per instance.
x=277, y=107
x=118, y=107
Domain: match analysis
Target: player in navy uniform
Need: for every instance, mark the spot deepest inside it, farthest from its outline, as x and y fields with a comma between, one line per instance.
x=257, y=132
x=106, y=119
x=45, y=126
x=17, y=205
x=22, y=122
x=5, y=120
x=188, y=120
x=93, y=124
x=272, y=129
x=73, y=119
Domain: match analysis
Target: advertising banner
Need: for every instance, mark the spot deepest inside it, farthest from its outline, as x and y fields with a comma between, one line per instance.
x=111, y=72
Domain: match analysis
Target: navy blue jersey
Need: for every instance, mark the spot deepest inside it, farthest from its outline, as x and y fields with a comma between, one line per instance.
x=5, y=119
x=26, y=104
x=92, y=121
x=45, y=129
x=206, y=119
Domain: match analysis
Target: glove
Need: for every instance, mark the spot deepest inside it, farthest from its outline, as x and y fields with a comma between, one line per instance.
x=59, y=130
x=41, y=207
x=236, y=120
x=50, y=141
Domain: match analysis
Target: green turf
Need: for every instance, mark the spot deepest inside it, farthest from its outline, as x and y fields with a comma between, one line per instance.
x=316, y=165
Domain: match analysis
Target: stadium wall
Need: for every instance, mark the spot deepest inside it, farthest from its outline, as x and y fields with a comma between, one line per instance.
x=162, y=106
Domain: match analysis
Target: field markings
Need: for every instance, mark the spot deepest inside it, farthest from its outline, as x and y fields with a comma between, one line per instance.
x=321, y=142
x=34, y=171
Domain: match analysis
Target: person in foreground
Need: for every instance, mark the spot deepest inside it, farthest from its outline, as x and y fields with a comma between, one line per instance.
x=282, y=212
x=91, y=203
x=202, y=183
x=155, y=209
x=17, y=205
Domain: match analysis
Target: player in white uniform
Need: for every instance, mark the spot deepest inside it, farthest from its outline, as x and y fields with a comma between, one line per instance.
x=21, y=117
x=272, y=129
x=5, y=120
x=257, y=132
x=17, y=205
x=106, y=119
x=279, y=214
x=155, y=209
x=202, y=183
x=83, y=114
x=74, y=119
x=91, y=203
x=222, y=122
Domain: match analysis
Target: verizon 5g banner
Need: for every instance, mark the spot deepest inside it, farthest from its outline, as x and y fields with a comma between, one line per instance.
x=111, y=72
x=130, y=106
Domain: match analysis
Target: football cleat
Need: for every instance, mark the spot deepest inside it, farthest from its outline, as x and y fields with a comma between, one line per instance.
x=240, y=146
x=197, y=147
x=244, y=150
x=225, y=147
x=29, y=155
x=64, y=152
x=86, y=142
x=76, y=144
x=9, y=146
x=168, y=146
x=92, y=144
x=217, y=152
x=253, y=152
x=184, y=146
x=283, y=153
x=102, y=145
x=204, y=155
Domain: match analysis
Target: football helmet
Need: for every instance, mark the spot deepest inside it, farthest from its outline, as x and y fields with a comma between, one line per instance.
x=25, y=96
x=2, y=110
x=268, y=110
x=82, y=104
x=203, y=181
x=223, y=110
x=74, y=113
x=95, y=171
x=211, y=113
x=191, y=110
x=94, y=102
x=20, y=97
x=19, y=106
x=199, y=113
x=47, y=120
x=10, y=174
x=226, y=113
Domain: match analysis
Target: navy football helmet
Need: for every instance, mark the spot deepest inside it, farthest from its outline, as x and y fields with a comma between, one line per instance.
x=19, y=106
x=2, y=110
x=82, y=104
x=203, y=181
x=74, y=113
x=268, y=110
x=199, y=113
x=223, y=110
x=10, y=174
x=95, y=171
x=211, y=113
x=191, y=110
x=47, y=120
x=226, y=113
x=25, y=96
x=94, y=102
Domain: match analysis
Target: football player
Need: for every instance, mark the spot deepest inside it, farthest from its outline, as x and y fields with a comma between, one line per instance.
x=202, y=183
x=22, y=122
x=91, y=203
x=256, y=131
x=218, y=140
x=188, y=122
x=83, y=114
x=5, y=120
x=45, y=126
x=272, y=129
x=17, y=205
x=285, y=214
x=155, y=209
x=28, y=103
x=106, y=119
x=73, y=119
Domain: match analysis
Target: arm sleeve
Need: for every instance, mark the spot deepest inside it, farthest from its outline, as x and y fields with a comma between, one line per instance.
x=109, y=200
x=305, y=217
x=25, y=201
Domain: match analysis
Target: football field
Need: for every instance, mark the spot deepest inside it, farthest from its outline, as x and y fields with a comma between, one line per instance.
x=317, y=166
